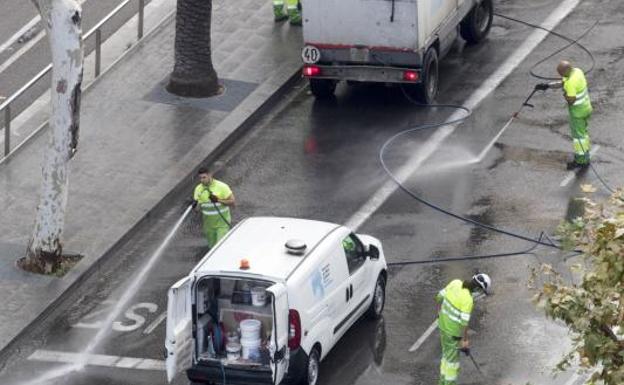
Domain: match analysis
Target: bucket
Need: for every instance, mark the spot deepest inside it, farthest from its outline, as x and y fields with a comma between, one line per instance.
x=233, y=351
x=258, y=296
x=251, y=349
x=250, y=329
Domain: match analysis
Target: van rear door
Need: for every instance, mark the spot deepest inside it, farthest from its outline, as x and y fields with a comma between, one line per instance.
x=179, y=336
x=279, y=335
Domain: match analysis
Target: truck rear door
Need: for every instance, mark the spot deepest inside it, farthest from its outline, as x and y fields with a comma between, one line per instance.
x=179, y=335
x=279, y=335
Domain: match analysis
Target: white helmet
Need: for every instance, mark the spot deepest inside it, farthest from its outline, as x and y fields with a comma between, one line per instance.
x=484, y=281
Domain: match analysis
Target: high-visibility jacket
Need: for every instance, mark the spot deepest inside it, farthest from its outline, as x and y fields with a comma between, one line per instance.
x=208, y=209
x=456, y=307
x=575, y=85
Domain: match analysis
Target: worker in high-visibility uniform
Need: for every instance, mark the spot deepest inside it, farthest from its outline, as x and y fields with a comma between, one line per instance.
x=214, y=199
x=576, y=94
x=455, y=306
x=293, y=11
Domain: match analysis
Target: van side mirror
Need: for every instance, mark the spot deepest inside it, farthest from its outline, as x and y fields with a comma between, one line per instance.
x=373, y=252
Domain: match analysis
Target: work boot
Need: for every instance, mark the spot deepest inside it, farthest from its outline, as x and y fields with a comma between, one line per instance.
x=278, y=12
x=295, y=16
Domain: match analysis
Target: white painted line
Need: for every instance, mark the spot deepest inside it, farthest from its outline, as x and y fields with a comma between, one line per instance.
x=150, y=328
x=424, y=337
x=489, y=85
x=20, y=52
x=9, y=62
x=28, y=26
x=572, y=174
x=97, y=360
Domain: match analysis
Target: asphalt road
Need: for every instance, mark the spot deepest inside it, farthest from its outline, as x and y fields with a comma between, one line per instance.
x=319, y=160
x=22, y=60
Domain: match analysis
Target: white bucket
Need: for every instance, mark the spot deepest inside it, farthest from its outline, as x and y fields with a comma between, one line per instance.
x=250, y=329
x=251, y=349
x=233, y=351
x=258, y=296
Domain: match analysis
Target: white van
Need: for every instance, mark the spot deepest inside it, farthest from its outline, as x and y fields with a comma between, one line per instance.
x=270, y=300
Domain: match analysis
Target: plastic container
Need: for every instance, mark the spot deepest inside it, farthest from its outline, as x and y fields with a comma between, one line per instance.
x=250, y=329
x=233, y=351
x=251, y=349
x=258, y=296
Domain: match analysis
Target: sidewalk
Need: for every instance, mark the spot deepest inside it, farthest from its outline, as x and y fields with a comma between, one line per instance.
x=136, y=144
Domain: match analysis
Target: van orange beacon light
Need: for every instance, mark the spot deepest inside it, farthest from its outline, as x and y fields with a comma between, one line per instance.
x=244, y=264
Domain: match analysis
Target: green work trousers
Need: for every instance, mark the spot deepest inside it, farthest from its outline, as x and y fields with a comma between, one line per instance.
x=580, y=138
x=449, y=364
x=213, y=233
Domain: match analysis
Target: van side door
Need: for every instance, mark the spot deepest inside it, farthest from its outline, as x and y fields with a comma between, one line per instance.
x=278, y=346
x=179, y=335
x=357, y=292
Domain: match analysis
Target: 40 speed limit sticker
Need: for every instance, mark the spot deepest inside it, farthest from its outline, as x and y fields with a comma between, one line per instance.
x=310, y=54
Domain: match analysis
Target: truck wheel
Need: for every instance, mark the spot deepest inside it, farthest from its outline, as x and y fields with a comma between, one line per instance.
x=312, y=370
x=427, y=90
x=322, y=88
x=477, y=23
x=379, y=299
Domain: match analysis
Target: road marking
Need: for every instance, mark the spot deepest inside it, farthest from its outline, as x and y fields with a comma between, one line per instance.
x=489, y=85
x=424, y=337
x=572, y=174
x=20, y=52
x=27, y=27
x=150, y=328
x=97, y=360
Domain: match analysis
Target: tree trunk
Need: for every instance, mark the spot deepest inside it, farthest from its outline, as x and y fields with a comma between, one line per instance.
x=193, y=74
x=62, y=20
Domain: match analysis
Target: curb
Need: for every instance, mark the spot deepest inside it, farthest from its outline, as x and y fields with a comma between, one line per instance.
x=225, y=144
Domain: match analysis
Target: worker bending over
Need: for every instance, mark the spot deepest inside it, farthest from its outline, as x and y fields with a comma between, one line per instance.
x=456, y=305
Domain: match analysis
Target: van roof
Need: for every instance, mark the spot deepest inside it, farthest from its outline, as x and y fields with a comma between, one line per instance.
x=261, y=240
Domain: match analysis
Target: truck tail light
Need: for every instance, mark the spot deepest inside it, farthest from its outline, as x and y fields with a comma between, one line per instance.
x=311, y=71
x=410, y=76
x=294, y=329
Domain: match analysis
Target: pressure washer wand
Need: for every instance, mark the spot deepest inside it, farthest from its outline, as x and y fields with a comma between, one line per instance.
x=467, y=352
x=525, y=103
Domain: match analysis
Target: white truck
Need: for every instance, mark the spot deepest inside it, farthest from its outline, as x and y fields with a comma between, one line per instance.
x=388, y=41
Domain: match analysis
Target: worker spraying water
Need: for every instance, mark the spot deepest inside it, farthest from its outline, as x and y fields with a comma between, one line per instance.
x=213, y=199
x=576, y=94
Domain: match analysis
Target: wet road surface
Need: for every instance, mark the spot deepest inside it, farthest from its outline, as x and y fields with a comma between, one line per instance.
x=319, y=160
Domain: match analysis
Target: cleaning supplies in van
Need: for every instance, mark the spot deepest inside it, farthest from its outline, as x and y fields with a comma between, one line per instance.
x=258, y=296
x=233, y=351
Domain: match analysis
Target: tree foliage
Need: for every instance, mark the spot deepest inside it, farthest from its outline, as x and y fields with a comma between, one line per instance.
x=590, y=303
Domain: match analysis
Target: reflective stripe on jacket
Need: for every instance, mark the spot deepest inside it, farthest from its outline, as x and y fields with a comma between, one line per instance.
x=208, y=209
x=575, y=85
x=456, y=307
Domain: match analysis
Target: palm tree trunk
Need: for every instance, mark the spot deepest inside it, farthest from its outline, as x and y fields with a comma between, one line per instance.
x=193, y=74
x=62, y=20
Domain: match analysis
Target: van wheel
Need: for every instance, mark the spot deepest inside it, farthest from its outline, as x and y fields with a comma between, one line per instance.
x=428, y=89
x=322, y=88
x=379, y=299
x=477, y=23
x=312, y=370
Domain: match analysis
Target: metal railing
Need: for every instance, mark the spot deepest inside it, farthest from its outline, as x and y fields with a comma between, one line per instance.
x=97, y=31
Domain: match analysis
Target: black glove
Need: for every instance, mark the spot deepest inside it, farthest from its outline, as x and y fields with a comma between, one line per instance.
x=194, y=203
x=213, y=198
x=542, y=86
x=466, y=351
